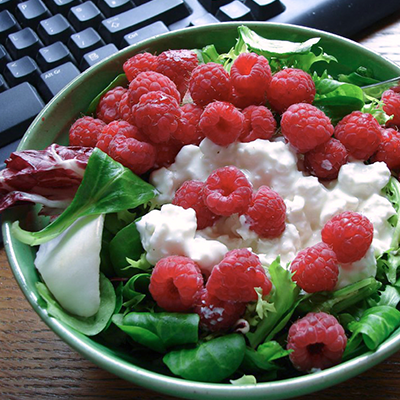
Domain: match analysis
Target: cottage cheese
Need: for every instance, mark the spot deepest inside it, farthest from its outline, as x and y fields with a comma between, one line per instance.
x=172, y=230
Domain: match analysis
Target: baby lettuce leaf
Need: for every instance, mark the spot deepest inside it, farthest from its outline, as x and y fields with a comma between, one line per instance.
x=284, y=297
x=89, y=326
x=211, y=361
x=159, y=331
x=374, y=327
x=107, y=187
x=135, y=290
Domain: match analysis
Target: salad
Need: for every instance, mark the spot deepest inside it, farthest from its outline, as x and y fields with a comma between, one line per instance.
x=222, y=217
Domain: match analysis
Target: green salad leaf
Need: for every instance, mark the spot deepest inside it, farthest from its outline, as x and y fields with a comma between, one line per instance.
x=210, y=361
x=107, y=187
x=136, y=290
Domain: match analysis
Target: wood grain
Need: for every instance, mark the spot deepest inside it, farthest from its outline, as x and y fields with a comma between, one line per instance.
x=36, y=364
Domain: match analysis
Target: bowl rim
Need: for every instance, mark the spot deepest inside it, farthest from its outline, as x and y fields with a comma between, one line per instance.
x=176, y=386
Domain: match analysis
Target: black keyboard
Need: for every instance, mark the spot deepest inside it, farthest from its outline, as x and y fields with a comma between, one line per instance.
x=44, y=44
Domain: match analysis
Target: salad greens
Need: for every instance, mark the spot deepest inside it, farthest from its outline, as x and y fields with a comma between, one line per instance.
x=367, y=309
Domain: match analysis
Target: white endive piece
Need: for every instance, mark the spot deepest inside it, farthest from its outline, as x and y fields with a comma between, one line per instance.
x=70, y=266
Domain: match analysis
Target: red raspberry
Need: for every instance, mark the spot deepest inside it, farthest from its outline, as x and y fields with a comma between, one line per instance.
x=178, y=66
x=139, y=63
x=209, y=82
x=266, y=213
x=227, y=191
x=190, y=195
x=349, y=234
x=217, y=315
x=391, y=100
x=151, y=81
x=305, y=127
x=317, y=340
x=260, y=124
x=290, y=86
x=85, y=131
x=325, y=160
x=138, y=156
x=166, y=153
x=242, y=100
x=188, y=131
x=125, y=109
x=157, y=114
x=108, y=107
x=360, y=133
x=389, y=148
x=117, y=128
x=236, y=277
x=316, y=268
x=251, y=75
x=222, y=123
x=175, y=283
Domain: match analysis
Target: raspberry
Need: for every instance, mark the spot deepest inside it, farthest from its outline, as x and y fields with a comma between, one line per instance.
x=117, y=128
x=325, y=160
x=360, y=133
x=166, y=153
x=151, y=81
x=139, y=63
x=227, y=191
x=209, y=82
x=242, y=100
x=389, y=148
x=190, y=195
x=138, y=156
x=317, y=341
x=178, y=66
x=290, y=86
x=305, y=127
x=316, y=268
x=222, y=123
x=236, y=277
x=175, y=283
x=157, y=115
x=259, y=124
x=391, y=100
x=108, y=108
x=85, y=131
x=125, y=109
x=251, y=75
x=217, y=315
x=349, y=234
x=266, y=213
x=188, y=131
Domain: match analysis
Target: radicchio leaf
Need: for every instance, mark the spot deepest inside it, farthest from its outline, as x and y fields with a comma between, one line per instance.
x=49, y=177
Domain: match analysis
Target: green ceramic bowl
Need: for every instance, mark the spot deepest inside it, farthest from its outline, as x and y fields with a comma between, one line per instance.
x=52, y=125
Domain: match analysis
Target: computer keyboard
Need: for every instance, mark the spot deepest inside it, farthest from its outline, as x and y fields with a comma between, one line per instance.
x=44, y=44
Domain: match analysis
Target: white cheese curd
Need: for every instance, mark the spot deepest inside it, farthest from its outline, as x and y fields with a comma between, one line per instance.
x=310, y=204
x=70, y=266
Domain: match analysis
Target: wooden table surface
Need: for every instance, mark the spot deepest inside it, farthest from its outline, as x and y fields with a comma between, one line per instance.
x=36, y=364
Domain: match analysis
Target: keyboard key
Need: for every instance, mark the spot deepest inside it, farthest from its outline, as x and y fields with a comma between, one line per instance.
x=51, y=56
x=204, y=20
x=21, y=70
x=234, y=11
x=212, y=6
x=265, y=9
x=54, y=29
x=156, y=28
x=113, y=7
x=23, y=43
x=8, y=4
x=85, y=15
x=4, y=57
x=51, y=82
x=31, y=12
x=61, y=6
x=168, y=11
x=8, y=24
x=97, y=55
x=3, y=84
x=14, y=123
x=83, y=42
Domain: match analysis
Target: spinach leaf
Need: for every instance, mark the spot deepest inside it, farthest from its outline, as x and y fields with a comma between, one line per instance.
x=106, y=187
x=210, y=361
x=89, y=326
x=374, y=327
x=158, y=331
x=284, y=297
x=136, y=290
